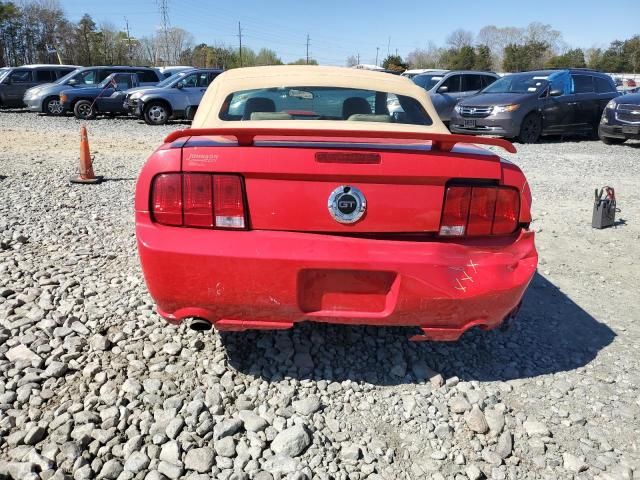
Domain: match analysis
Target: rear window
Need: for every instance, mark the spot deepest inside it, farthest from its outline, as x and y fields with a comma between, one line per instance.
x=582, y=83
x=323, y=103
x=603, y=86
x=471, y=83
x=147, y=76
x=64, y=71
x=45, y=76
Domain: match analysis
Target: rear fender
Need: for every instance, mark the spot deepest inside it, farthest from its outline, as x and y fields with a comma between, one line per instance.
x=164, y=159
x=512, y=176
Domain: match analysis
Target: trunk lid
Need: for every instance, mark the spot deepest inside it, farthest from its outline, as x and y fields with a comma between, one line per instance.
x=288, y=183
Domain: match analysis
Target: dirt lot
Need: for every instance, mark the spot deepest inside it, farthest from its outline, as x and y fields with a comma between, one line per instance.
x=99, y=387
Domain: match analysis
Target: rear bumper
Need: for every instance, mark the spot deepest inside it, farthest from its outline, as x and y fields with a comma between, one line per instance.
x=272, y=280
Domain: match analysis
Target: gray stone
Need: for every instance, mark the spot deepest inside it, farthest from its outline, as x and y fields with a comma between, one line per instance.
x=170, y=470
x=491, y=457
x=174, y=427
x=226, y=447
x=476, y=421
x=307, y=405
x=55, y=370
x=495, y=420
x=110, y=470
x=136, y=462
x=100, y=342
x=350, y=452
x=252, y=422
x=172, y=348
x=226, y=427
x=459, y=404
x=291, y=442
x=34, y=435
x=170, y=452
x=200, y=459
x=505, y=445
x=533, y=427
x=21, y=353
x=573, y=463
x=473, y=472
x=154, y=475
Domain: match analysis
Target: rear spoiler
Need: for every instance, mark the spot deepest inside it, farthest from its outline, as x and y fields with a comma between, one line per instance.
x=439, y=141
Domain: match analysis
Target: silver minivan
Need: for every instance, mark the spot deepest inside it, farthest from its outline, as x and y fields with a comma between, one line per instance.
x=15, y=81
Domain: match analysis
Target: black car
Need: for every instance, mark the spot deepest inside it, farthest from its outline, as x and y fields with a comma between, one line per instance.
x=620, y=120
x=528, y=105
x=86, y=103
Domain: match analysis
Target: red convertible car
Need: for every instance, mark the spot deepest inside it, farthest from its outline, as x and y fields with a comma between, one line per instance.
x=297, y=196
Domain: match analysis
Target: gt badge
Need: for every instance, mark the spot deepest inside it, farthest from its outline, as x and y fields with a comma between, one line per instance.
x=347, y=204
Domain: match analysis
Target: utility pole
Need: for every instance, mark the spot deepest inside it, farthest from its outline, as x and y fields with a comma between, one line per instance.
x=240, y=38
x=126, y=22
x=308, y=40
x=388, y=46
x=358, y=59
x=164, y=15
x=377, y=50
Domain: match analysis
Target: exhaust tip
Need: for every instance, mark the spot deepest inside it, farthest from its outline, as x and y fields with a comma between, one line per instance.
x=199, y=324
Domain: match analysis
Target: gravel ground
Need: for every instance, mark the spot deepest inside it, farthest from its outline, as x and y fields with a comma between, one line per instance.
x=94, y=385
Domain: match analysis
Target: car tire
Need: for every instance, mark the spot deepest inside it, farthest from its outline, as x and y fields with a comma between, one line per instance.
x=156, y=113
x=530, y=129
x=53, y=106
x=613, y=141
x=84, y=110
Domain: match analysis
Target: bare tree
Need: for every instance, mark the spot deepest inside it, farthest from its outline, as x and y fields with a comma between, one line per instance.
x=429, y=57
x=460, y=38
x=179, y=40
x=352, y=61
x=538, y=32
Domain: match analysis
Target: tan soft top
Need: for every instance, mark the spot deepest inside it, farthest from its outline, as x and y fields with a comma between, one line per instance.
x=239, y=79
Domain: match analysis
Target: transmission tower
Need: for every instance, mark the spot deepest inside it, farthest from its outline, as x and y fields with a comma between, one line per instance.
x=163, y=5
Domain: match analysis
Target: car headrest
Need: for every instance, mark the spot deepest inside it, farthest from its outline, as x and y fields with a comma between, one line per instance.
x=258, y=104
x=355, y=105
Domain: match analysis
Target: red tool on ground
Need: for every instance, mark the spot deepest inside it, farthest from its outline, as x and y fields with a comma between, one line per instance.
x=86, y=174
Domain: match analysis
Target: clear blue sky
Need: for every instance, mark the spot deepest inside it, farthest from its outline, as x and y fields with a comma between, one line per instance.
x=341, y=28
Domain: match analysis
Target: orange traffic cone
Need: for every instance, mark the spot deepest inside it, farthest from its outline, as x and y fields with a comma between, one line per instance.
x=86, y=166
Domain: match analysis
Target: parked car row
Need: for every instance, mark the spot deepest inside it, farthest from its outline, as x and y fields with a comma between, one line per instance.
x=526, y=106
x=522, y=106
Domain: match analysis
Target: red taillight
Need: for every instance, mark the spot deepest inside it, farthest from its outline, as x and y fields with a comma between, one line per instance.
x=478, y=211
x=507, y=211
x=198, y=200
x=229, y=204
x=456, y=211
x=483, y=205
x=166, y=199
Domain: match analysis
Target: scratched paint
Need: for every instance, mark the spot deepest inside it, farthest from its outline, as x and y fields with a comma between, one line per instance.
x=466, y=276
